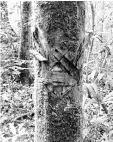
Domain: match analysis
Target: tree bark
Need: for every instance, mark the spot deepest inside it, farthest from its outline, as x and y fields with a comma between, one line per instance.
x=4, y=12
x=59, y=35
x=25, y=41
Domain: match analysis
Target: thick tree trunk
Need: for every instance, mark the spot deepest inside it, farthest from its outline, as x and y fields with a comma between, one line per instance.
x=25, y=40
x=60, y=36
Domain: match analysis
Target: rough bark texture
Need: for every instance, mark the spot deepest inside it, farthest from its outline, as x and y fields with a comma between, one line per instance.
x=4, y=12
x=40, y=107
x=60, y=35
x=25, y=40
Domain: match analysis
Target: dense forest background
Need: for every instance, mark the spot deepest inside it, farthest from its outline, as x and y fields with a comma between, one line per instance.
x=16, y=98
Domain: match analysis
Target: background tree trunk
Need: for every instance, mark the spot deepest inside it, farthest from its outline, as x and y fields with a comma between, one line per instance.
x=25, y=40
x=59, y=35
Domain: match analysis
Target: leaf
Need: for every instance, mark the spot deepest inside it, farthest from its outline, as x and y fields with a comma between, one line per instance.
x=86, y=91
x=95, y=88
x=97, y=96
x=94, y=91
x=91, y=90
x=92, y=75
x=100, y=76
x=99, y=119
x=108, y=97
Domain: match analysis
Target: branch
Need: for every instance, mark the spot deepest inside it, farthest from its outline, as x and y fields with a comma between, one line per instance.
x=93, y=16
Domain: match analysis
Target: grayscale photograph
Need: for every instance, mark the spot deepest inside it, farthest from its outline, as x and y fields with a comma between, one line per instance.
x=56, y=71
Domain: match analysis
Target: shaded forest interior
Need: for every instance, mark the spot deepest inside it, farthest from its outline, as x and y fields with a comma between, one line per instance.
x=56, y=71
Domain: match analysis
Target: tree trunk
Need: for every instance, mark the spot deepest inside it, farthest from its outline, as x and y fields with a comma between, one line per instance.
x=59, y=35
x=25, y=40
x=4, y=12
